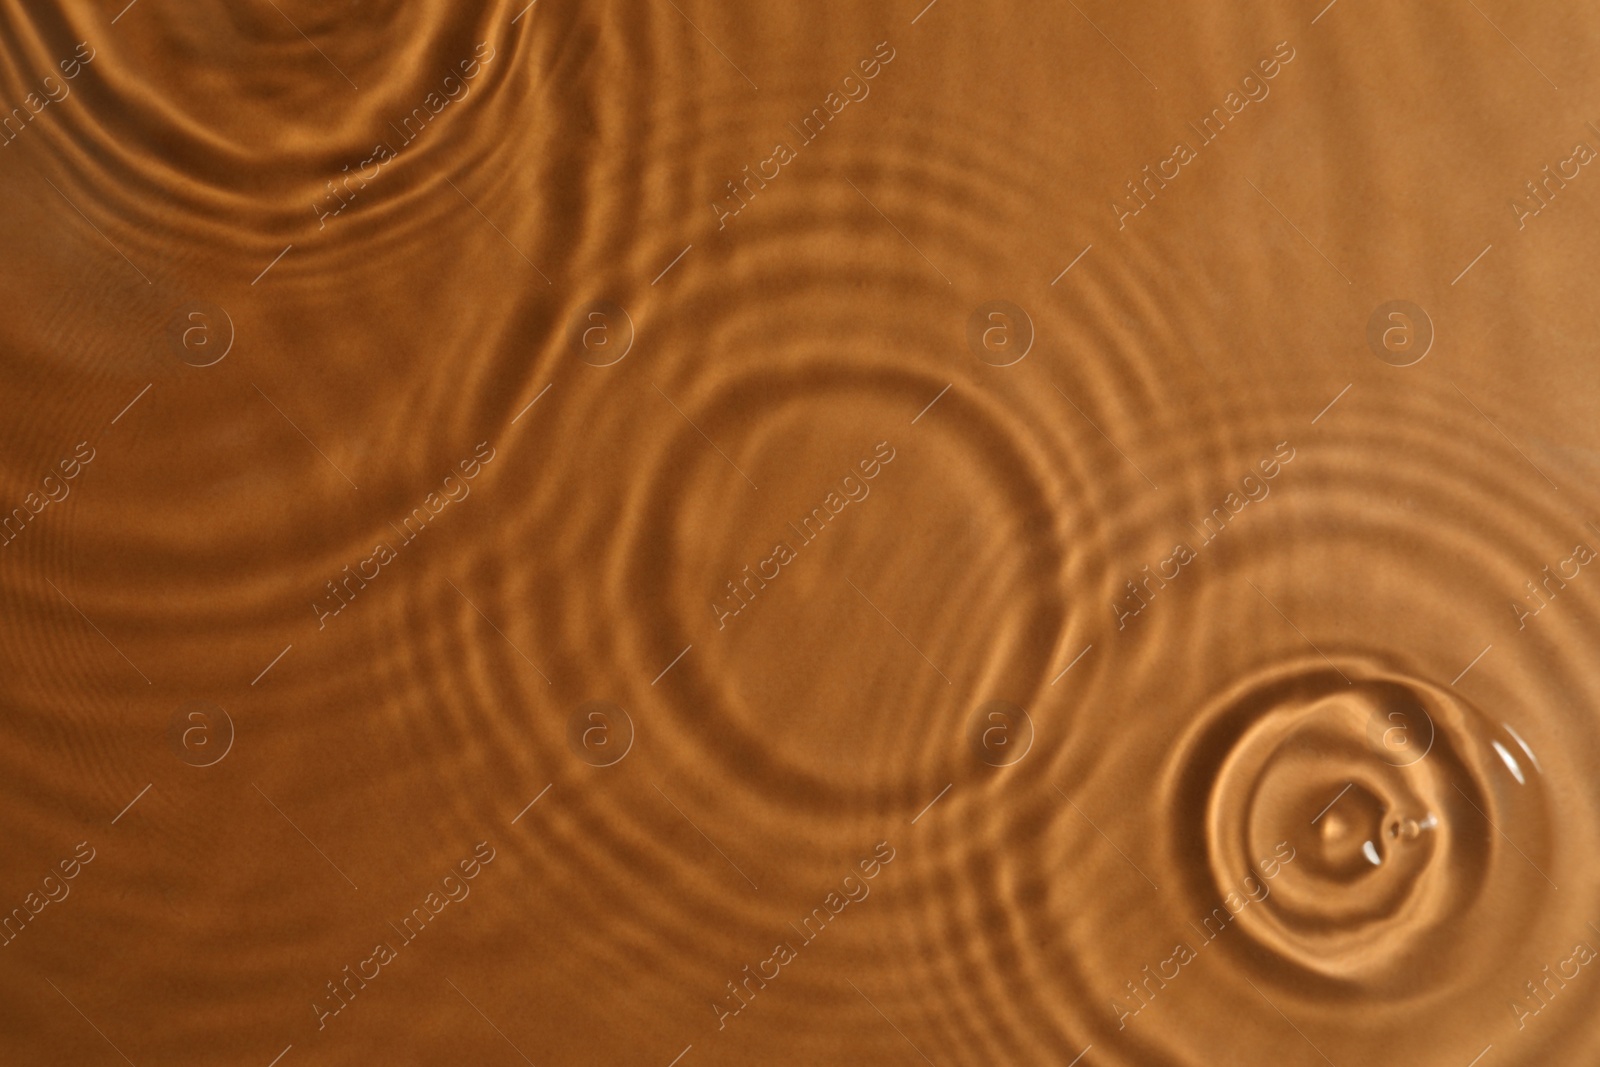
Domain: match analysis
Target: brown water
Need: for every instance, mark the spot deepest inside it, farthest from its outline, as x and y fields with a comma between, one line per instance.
x=483, y=589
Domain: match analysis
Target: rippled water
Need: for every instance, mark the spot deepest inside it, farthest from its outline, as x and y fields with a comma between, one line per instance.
x=582, y=533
